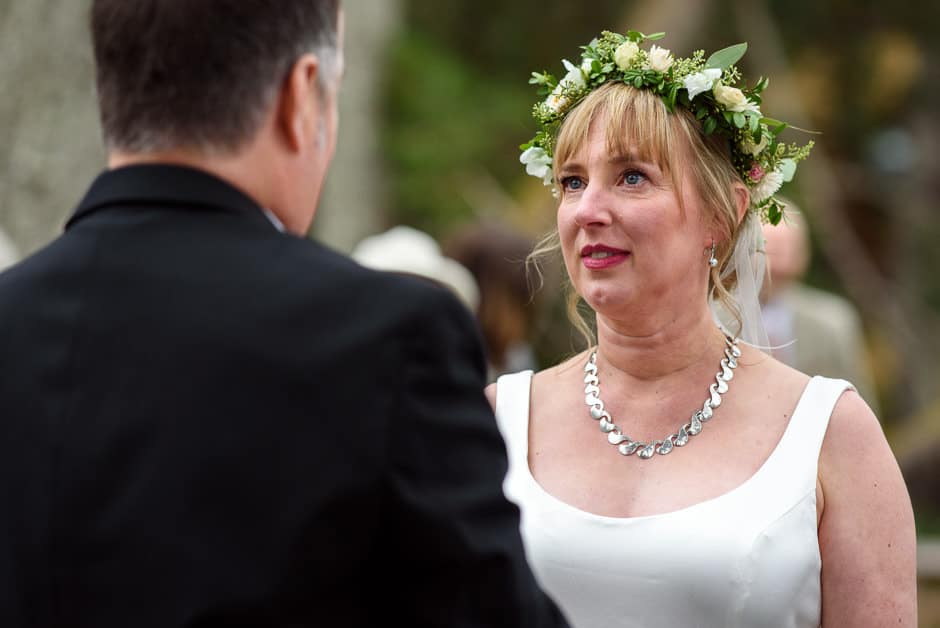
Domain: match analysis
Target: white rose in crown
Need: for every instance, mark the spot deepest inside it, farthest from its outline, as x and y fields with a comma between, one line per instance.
x=733, y=99
x=575, y=75
x=625, y=54
x=660, y=59
x=537, y=163
x=701, y=82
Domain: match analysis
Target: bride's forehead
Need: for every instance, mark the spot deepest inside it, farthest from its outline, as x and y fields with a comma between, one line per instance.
x=624, y=122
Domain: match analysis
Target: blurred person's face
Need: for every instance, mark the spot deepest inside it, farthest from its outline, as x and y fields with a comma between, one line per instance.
x=787, y=253
x=626, y=241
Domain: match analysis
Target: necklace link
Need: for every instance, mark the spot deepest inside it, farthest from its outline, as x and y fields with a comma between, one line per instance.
x=646, y=450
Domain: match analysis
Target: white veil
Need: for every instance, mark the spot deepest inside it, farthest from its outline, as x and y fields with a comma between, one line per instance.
x=748, y=261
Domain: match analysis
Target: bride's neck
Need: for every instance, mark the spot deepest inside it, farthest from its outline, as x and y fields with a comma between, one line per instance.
x=655, y=352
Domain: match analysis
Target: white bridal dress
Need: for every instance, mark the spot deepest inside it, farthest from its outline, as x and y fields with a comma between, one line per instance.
x=748, y=558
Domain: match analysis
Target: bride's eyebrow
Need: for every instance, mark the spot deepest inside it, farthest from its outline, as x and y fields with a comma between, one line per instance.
x=573, y=166
x=570, y=166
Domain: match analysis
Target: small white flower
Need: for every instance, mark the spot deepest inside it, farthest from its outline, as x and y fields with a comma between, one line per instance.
x=587, y=65
x=538, y=163
x=625, y=54
x=766, y=187
x=556, y=101
x=701, y=82
x=660, y=59
x=575, y=75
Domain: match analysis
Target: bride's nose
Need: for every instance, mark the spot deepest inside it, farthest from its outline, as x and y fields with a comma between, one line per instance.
x=594, y=208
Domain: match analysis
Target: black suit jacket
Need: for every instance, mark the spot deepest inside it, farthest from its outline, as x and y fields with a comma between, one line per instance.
x=207, y=422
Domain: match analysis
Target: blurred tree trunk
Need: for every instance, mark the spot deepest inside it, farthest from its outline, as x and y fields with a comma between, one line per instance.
x=50, y=147
x=356, y=198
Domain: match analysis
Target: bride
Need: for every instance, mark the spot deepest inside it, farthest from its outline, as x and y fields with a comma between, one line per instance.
x=673, y=474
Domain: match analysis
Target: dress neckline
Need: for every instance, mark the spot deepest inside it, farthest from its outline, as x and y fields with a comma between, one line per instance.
x=743, y=486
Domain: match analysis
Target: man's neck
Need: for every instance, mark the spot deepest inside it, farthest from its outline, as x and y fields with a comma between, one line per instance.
x=238, y=170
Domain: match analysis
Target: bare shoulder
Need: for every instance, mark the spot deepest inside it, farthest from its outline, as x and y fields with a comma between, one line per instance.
x=549, y=382
x=853, y=429
x=856, y=460
x=770, y=383
x=541, y=380
x=855, y=448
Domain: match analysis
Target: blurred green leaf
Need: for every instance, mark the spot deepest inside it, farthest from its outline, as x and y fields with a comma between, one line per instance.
x=726, y=57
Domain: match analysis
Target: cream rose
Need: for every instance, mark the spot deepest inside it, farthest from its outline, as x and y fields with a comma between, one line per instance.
x=660, y=59
x=733, y=99
x=625, y=54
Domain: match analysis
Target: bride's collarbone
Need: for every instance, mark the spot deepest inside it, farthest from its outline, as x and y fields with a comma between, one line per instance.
x=572, y=459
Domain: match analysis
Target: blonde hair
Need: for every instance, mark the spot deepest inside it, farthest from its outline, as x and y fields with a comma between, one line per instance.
x=639, y=124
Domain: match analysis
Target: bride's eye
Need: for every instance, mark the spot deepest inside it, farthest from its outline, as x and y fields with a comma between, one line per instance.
x=572, y=184
x=633, y=177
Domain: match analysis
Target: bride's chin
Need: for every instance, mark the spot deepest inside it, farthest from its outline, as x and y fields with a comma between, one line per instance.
x=607, y=302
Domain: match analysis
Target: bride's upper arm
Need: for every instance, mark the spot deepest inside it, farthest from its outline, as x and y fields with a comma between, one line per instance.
x=866, y=535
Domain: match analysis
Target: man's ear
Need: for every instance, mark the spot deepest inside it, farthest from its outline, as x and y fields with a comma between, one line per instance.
x=298, y=104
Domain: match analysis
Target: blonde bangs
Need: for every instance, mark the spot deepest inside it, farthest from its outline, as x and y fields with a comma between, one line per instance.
x=637, y=125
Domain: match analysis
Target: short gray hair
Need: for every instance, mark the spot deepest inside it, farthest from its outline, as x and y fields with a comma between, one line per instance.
x=201, y=73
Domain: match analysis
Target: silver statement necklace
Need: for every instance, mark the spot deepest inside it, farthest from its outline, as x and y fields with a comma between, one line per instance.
x=626, y=445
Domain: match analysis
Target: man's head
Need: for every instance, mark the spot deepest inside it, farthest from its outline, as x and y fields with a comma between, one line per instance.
x=212, y=79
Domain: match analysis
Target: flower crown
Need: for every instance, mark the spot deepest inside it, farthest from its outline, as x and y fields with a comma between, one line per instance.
x=712, y=89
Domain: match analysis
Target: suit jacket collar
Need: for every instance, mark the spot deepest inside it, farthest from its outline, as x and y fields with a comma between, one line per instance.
x=165, y=185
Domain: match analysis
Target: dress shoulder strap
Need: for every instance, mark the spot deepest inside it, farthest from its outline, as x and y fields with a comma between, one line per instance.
x=802, y=441
x=512, y=411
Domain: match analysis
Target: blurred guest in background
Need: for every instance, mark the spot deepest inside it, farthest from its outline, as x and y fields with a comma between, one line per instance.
x=815, y=331
x=496, y=254
x=406, y=250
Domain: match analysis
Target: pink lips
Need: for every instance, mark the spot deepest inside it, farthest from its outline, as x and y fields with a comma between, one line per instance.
x=599, y=256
